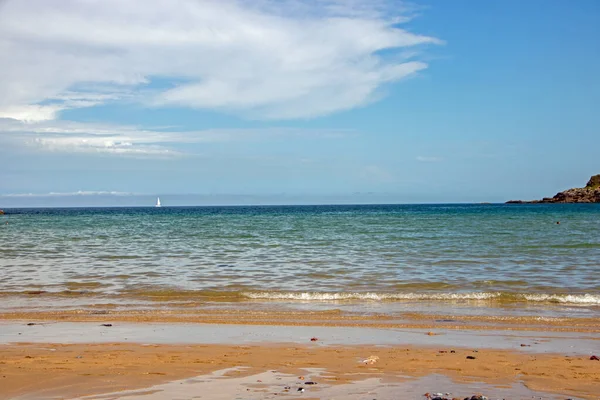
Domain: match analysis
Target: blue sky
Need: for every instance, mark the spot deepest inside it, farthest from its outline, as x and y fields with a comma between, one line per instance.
x=297, y=101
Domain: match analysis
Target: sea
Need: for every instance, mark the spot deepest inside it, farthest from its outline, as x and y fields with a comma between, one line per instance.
x=479, y=258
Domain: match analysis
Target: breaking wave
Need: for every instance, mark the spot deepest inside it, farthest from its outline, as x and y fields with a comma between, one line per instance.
x=584, y=299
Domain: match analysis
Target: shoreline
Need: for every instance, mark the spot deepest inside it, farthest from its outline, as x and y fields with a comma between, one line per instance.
x=332, y=318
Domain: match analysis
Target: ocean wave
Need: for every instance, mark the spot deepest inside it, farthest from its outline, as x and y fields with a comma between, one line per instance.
x=236, y=294
x=564, y=298
x=586, y=299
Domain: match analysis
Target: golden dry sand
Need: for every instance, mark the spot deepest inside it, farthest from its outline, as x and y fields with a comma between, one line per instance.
x=79, y=369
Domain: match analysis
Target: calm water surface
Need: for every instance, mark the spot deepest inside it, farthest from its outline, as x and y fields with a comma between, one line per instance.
x=378, y=253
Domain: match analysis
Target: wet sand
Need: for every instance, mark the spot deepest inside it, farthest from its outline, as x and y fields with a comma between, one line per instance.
x=319, y=384
x=68, y=360
x=44, y=371
x=335, y=317
x=566, y=343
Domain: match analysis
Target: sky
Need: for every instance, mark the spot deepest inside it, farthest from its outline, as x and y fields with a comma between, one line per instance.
x=296, y=101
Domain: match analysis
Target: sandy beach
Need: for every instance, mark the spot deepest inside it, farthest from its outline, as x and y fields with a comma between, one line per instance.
x=75, y=359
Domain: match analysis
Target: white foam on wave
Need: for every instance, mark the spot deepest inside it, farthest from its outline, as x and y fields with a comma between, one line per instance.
x=587, y=299
x=565, y=298
x=320, y=296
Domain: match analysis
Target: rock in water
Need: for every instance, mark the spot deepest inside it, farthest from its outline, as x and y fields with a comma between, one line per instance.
x=588, y=194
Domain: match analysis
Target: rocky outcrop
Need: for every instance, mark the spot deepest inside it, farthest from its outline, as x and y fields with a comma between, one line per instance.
x=588, y=194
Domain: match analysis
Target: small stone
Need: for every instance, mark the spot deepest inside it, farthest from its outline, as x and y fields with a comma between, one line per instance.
x=452, y=351
x=106, y=325
x=310, y=383
x=470, y=358
x=314, y=339
x=301, y=389
x=371, y=360
x=31, y=324
x=595, y=358
x=525, y=345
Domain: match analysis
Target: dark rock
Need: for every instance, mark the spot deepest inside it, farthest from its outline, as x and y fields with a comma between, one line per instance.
x=310, y=383
x=594, y=182
x=31, y=324
x=595, y=358
x=470, y=358
x=588, y=194
x=106, y=325
x=313, y=339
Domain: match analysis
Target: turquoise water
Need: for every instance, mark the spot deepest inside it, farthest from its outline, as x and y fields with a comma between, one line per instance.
x=383, y=253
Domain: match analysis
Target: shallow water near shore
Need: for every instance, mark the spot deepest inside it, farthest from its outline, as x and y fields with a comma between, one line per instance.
x=377, y=258
x=273, y=385
x=569, y=343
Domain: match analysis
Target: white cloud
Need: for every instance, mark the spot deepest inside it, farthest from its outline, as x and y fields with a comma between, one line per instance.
x=127, y=140
x=429, y=159
x=263, y=59
x=30, y=113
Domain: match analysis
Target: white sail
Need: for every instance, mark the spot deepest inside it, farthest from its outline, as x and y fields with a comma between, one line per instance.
x=158, y=202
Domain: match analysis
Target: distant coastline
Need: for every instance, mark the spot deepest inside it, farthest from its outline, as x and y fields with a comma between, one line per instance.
x=588, y=194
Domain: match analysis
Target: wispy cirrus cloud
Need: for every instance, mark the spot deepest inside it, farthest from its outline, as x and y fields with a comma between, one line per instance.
x=261, y=59
x=132, y=141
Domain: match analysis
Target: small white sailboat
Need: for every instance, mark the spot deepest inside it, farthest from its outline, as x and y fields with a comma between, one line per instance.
x=158, y=202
